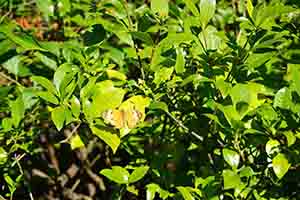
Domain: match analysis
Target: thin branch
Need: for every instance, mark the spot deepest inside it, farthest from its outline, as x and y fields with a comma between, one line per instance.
x=10, y=79
x=140, y=61
x=130, y=27
x=186, y=129
x=71, y=134
x=18, y=158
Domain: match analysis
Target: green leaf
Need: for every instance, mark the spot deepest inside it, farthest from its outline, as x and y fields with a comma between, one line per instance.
x=117, y=174
x=250, y=7
x=7, y=124
x=114, y=74
x=231, y=157
x=143, y=36
x=45, y=83
x=223, y=86
x=48, y=97
x=192, y=7
x=247, y=95
x=110, y=138
x=280, y=165
x=291, y=138
x=246, y=172
x=11, y=184
x=256, y=60
x=137, y=102
x=210, y=38
x=231, y=179
x=17, y=110
x=293, y=74
x=163, y=75
x=272, y=146
x=156, y=105
x=138, y=173
x=26, y=41
x=185, y=192
x=75, y=106
x=5, y=45
x=105, y=97
x=3, y=156
x=76, y=142
x=64, y=7
x=180, y=61
x=207, y=11
x=16, y=67
x=283, y=99
x=58, y=117
x=46, y=7
x=46, y=60
x=132, y=189
x=60, y=75
x=153, y=188
x=160, y=6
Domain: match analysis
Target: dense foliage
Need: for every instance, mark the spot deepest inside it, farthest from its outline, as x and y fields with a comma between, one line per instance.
x=160, y=99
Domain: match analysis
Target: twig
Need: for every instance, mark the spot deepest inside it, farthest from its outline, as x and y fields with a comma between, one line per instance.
x=71, y=134
x=140, y=61
x=186, y=129
x=75, y=185
x=130, y=26
x=3, y=17
x=97, y=179
x=18, y=158
x=10, y=79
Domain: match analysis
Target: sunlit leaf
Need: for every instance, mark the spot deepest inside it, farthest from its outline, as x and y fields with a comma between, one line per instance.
x=76, y=142
x=231, y=157
x=58, y=117
x=160, y=6
x=280, y=165
x=110, y=138
x=138, y=174
x=185, y=192
x=207, y=11
x=117, y=174
x=231, y=179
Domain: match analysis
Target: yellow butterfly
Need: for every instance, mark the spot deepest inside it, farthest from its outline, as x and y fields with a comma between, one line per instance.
x=122, y=118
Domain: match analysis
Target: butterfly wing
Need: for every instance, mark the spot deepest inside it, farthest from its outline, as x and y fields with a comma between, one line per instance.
x=114, y=117
x=133, y=117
